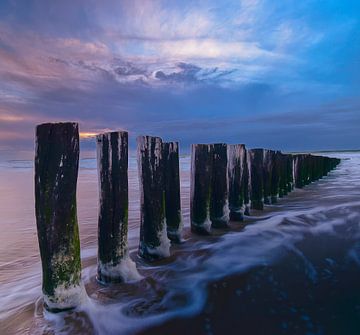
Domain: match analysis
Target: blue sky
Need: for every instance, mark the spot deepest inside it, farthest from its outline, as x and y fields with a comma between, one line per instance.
x=276, y=74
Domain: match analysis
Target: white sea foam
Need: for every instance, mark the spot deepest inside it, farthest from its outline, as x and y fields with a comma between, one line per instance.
x=126, y=269
x=66, y=297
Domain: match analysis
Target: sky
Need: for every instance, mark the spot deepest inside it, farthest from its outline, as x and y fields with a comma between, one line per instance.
x=275, y=74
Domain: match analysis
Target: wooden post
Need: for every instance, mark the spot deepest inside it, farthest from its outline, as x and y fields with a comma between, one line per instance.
x=269, y=161
x=219, y=206
x=307, y=167
x=298, y=171
x=172, y=191
x=289, y=172
x=246, y=183
x=114, y=263
x=154, y=243
x=282, y=174
x=200, y=184
x=275, y=177
x=236, y=166
x=256, y=157
x=56, y=171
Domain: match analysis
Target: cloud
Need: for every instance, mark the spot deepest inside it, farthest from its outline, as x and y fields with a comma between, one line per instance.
x=194, y=70
x=191, y=74
x=212, y=49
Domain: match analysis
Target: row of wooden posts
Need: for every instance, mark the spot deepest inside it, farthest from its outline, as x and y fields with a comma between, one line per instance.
x=227, y=181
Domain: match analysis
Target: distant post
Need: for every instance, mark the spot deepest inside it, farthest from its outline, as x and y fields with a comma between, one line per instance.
x=269, y=161
x=246, y=183
x=236, y=164
x=56, y=171
x=219, y=206
x=275, y=177
x=172, y=191
x=200, y=184
x=256, y=157
x=154, y=243
x=114, y=263
x=289, y=173
x=281, y=160
x=297, y=171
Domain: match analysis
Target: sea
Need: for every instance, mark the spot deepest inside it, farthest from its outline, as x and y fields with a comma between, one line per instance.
x=293, y=268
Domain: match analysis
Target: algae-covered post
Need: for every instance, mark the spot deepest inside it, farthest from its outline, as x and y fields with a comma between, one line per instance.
x=269, y=161
x=246, y=183
x=154, y=243
x=308, y=168
x=275, y=177
x=172, y=191
x=114, y=263
x=236, y=164
x=282, y=164
x=298, y=170
x=219, y=204
x=56, y=172
x=201, y=176
x=289, y=172
x=256, y=159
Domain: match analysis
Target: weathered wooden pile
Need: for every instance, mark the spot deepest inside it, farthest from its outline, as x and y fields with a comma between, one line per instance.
x=227, y=181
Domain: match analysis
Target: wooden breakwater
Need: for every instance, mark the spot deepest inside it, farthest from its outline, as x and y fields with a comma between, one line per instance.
x=227, y=181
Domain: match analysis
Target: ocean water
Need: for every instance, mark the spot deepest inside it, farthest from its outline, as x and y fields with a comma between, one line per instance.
x=292, y=269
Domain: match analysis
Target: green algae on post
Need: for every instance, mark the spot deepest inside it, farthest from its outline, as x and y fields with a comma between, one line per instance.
x=219, y=204
x=269, y=161
x=289, y=172
x=56, y=172
x=200, y=185
x=275, y=177
x=256, y=159
x=154, y=243
x=172, y=191
x=282, y=164
x=236, y=169
x=246, y=183
x=114, y=263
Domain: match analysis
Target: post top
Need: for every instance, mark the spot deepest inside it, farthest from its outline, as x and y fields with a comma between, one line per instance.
x=237, y=145
x=109, y=133
x=148, y=138
x=57, y=125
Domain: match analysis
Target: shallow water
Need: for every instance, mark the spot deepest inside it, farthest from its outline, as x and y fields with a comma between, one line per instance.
x=292, y=269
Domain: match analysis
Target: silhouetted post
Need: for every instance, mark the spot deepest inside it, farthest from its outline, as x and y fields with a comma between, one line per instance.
x=297, y=171
x=330, y=164
x=219, y=205
x=275, y=177
x=114, y=263
x=289, y=172
x=308, y=162
x=256, y=157
x=269, y=161
x=200, y=184
x=154, y=243
x=172, y=191
x=56, y=171
x=246, y=183
x=236, y=164
x=283, y=175
x=321, y=167
x=301, y=168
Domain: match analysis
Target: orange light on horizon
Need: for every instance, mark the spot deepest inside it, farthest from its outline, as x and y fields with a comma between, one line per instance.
x=11, y=118
x=87, y=134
